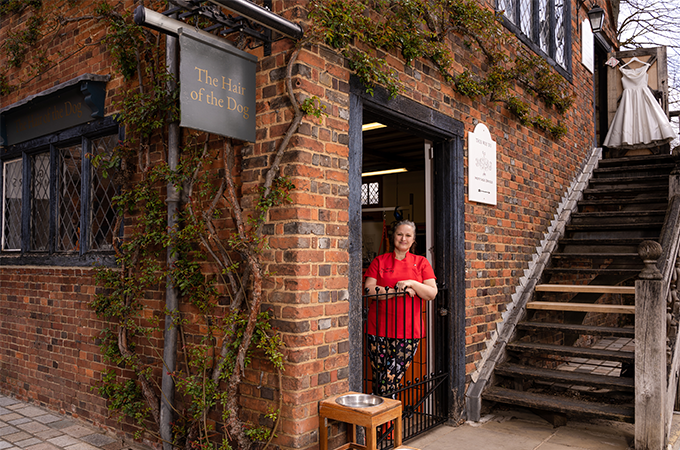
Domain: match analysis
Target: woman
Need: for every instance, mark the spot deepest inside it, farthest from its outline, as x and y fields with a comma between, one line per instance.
x=400, y=280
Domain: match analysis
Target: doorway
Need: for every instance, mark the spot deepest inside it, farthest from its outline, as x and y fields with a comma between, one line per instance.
x=427, y=147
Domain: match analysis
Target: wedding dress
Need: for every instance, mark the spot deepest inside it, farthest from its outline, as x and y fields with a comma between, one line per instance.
x=639, y=122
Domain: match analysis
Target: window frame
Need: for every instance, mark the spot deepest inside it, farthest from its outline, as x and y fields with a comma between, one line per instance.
x=533, y=42
x=82, y=135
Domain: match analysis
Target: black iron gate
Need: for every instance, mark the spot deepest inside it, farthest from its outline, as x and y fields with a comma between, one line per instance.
x=423, y=389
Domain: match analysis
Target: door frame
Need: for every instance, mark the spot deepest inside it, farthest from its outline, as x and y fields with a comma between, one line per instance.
x=447, y=137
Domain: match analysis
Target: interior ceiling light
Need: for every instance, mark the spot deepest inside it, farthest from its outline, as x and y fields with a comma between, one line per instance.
x=384, y=172
x=372, y=126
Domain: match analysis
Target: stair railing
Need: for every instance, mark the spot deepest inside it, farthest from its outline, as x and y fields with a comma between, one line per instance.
x=657, y=308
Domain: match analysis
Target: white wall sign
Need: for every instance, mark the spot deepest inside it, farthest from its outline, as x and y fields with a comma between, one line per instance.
x=587, y=46
x=481, y=166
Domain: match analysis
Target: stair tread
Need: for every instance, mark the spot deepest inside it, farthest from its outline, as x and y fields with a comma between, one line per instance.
x=626, y=190
x=582, y=307
x=617, y=214
x=589, y=288
x=633, y=271
x=595, y=241
x=614, y=226
x=621, y=168
x=628, y=179
x=584, y=352
x=578, y=378
x=616, y=201
x=560, y=404
x=578, y=328
x=631, y=160
x=595, y=254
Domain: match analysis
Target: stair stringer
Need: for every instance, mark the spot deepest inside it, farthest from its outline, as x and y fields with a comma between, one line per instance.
x=516, y=309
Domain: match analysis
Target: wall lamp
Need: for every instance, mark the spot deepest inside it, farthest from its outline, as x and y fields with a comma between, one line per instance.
x=596, y=17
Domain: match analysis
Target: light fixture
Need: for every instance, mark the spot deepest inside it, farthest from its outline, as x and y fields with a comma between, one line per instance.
x=372, y=126
x=596, y=17
x=384, y=172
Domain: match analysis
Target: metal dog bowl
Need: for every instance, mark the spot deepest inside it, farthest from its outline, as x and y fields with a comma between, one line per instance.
x=359, y=400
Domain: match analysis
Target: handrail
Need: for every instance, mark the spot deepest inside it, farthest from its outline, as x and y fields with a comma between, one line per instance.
x=656, y=369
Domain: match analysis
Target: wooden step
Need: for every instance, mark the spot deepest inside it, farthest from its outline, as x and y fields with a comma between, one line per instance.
x=587, y=288
x=566, y=377
x=578, y=352
x=644, y=179
x=582, y=307
x=590, y=270
x=634, y=161
x=655, y=167
x=629, y=191
x=602, y=215
x=655, y=224
x=563, y=405
x=590, y=330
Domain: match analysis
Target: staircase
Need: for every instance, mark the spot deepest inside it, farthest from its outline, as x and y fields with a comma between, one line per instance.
x=558, y=361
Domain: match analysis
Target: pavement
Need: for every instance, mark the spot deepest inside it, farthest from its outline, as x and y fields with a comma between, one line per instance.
x=24, y=426
x=27, y=427
x=519, y=429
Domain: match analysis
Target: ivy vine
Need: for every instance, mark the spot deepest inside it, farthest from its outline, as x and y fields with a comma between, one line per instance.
x=359, y=30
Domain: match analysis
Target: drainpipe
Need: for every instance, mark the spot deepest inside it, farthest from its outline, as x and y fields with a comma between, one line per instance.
x=171, y=293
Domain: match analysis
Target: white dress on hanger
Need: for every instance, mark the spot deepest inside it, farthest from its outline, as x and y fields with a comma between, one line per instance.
x=639, y=122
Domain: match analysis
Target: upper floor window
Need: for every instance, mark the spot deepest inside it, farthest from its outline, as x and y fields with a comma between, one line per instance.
x=55, y=201
x=541, y=24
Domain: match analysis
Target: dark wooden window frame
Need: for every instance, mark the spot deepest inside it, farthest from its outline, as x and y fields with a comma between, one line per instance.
x=533, y=42
x=47, y=144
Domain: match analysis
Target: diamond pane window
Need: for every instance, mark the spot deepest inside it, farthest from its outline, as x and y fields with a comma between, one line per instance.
x=508, y=8
x=370, y=193
x=40, y=202
x=57, y=199
x=542, y=24
x=102, y=212
x=560, y=40
x=11, y=217
x=526, y=14
x=68, y=209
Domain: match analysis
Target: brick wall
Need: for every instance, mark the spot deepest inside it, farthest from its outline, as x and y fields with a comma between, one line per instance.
x=47, y=330
x=48, y=339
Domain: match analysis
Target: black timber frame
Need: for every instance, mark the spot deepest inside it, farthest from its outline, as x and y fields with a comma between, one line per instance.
x=447, y=136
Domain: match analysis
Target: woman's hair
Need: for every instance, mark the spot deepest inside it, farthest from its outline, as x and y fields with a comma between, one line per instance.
x=405, y=222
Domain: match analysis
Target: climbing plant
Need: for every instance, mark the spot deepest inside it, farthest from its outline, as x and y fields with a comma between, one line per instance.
x=218, y=270
x=364, y=31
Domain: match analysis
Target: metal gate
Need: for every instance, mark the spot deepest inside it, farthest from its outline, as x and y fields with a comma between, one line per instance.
x=423, y=389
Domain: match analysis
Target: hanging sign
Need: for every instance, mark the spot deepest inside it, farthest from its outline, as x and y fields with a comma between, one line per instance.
x=217, y=87
x=481, y=166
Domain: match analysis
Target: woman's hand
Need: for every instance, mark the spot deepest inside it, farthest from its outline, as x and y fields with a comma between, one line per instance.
x=427, y=290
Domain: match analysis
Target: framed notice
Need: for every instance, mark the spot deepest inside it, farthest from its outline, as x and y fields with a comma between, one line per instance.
x=481, y=166
x=587, y=46
x=217, y=87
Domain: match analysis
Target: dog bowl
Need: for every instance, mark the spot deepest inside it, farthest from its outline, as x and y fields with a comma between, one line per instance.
x=359, y=400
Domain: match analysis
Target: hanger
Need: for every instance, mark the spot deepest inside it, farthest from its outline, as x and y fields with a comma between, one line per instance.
x=634, y=59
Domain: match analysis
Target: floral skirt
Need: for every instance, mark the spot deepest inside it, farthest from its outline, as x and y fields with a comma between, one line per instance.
x=390, y=358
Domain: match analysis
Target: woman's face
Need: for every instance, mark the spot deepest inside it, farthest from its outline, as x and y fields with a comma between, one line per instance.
x=404, y=238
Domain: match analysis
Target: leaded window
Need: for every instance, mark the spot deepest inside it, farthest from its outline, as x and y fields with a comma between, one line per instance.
x=542, y=24
x=370, y=193
x=57, y=201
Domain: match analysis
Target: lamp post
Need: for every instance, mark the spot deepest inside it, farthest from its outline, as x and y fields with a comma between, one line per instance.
x=596, y=17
